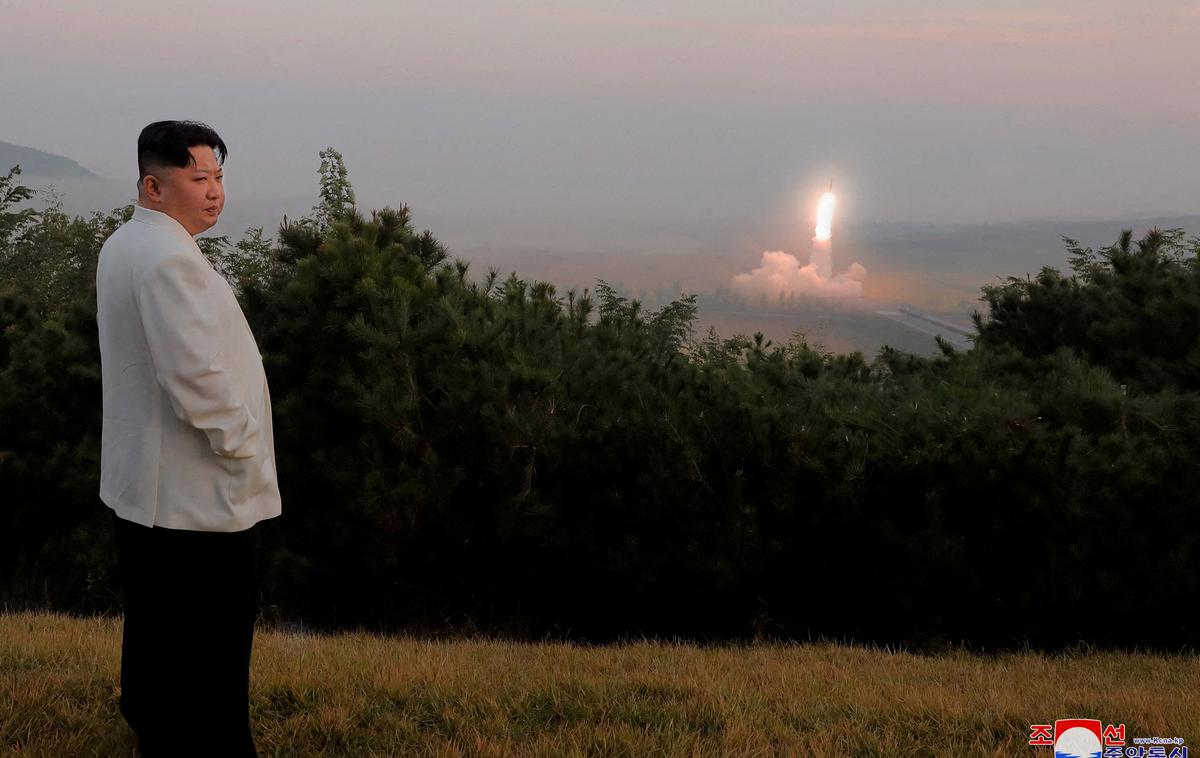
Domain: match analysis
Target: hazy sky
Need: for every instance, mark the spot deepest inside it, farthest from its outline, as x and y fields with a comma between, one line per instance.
x=627, y=118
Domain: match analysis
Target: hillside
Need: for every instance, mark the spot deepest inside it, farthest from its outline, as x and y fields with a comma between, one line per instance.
x=39, y=163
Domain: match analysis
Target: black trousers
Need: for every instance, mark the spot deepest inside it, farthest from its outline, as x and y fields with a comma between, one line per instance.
x=191, y=599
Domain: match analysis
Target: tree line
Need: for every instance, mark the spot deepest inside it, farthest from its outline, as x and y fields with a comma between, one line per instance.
x=487, y=454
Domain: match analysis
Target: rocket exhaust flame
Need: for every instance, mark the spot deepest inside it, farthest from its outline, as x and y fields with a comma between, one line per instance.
x=780, y=274
x=825, y=216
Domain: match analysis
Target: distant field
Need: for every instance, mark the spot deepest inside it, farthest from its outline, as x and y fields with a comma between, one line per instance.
x=837, y=330
x=364, y=695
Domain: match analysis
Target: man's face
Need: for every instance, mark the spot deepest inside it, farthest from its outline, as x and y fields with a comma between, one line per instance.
x=193, y=195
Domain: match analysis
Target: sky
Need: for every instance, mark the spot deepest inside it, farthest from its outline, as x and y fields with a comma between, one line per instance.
x=684, y=123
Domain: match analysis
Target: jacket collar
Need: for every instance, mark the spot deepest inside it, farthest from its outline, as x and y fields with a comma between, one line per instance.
x=158, y=218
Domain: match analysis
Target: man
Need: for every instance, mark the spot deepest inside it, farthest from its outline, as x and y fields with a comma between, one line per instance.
x=187, y=455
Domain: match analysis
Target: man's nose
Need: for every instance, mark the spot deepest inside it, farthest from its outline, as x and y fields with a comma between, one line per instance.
x=214, y=191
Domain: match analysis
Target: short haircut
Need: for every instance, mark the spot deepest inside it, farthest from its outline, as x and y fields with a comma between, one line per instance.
x=166, y=143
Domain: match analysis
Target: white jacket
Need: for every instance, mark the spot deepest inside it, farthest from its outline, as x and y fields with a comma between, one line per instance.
x=186, y=441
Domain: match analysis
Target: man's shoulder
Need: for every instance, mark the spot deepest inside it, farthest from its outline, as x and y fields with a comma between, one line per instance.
x=137, y=229
x=145, y=246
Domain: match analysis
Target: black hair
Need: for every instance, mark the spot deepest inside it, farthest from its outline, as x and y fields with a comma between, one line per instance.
x=166, y=143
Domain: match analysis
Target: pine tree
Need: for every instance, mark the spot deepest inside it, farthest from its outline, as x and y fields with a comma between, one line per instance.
x=337, y=196
x=1131, y=308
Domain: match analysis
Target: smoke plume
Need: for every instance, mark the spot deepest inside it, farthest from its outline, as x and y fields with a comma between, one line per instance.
x=780, y=274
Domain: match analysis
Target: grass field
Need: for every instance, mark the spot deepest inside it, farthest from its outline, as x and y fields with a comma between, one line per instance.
x=365, y=695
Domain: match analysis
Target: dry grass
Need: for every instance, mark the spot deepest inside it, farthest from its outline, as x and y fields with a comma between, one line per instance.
x=364, y=695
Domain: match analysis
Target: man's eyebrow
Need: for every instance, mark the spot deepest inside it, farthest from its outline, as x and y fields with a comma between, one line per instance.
x=218, y=169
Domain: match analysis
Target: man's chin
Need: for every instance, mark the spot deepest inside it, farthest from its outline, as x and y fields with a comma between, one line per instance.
x=202, y=226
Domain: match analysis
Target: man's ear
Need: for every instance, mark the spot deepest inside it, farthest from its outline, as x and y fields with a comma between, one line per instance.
x=150, y=187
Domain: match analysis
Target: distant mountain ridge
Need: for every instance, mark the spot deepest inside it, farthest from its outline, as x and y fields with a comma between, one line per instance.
x=38, y=163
